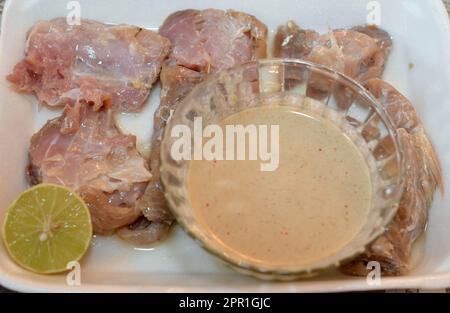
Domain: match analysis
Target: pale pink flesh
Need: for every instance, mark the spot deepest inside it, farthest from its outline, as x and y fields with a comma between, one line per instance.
x=211, y=40
x=202, y=42
x=92, y=62
x=84, y=151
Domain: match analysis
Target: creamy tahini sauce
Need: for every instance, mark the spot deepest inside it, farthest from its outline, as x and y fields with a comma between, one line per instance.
x=310, y=207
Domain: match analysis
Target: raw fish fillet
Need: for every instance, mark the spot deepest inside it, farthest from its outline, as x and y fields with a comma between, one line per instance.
x=92, y=62
x=203, y=42
x=423, y=174
x=360, y=52
x=84, y=150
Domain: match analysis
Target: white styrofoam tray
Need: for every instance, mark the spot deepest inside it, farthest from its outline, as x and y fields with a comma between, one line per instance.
x=421, y=33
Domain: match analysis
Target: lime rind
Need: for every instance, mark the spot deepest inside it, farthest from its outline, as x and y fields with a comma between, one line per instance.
x=56, y=209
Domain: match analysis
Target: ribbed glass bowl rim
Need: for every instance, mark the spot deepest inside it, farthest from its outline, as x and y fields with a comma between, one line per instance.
x=280, y=274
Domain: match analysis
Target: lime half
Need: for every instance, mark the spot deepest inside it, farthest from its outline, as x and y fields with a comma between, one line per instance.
x=47, y=227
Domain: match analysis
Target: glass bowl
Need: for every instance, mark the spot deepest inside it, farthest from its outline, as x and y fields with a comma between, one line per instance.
x=289, y=82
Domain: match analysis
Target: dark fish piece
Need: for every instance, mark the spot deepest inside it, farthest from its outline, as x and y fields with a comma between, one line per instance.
x=143, y=233
x=423, y=175
x=360, y=52
x=292, y=41
x=177, y=81
x=203, y=42
x=374, y=66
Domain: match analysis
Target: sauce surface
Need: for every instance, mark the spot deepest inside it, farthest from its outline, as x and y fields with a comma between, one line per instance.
x=310, y=207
